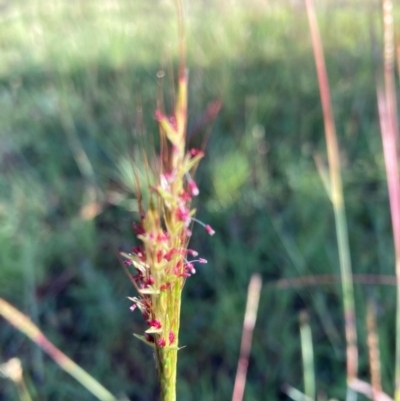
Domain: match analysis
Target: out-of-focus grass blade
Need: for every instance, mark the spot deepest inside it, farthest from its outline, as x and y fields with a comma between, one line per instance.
x=387, y=106
x=307, y=353
x=392, y=173
x=250, y=317
x=25, y=325
x=336, y=195
x=294, y=394
x=373, y=348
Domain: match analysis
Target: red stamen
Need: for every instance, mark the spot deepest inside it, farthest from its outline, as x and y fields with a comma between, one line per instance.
x=154, y=323
x=209, y=229
x=195, y=152
x=171, y=337
x=193, y=188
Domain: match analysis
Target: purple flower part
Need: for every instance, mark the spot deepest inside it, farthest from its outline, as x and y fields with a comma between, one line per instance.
x=209, y=229
x=172, y=120
x=154, y=323
x=183, y=214
x=192, y=252
x=193, y=188
x=201, y=260
x=190, y=268
x=158, y=115
x=133, y=307
x=195, y=152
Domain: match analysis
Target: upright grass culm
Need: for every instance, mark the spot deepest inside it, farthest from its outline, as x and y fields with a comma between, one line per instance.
x=336, y=195
x=162, y=262
x=250, y=317
x=387, y=106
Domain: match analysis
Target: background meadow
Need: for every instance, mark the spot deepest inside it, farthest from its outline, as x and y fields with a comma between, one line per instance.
x=79, y=83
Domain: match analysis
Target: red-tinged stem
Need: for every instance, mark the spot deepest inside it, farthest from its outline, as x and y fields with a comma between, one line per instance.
x=387, y=105
x=336, y=193
x=388, y=58
x=389, y=140
x=253, y=297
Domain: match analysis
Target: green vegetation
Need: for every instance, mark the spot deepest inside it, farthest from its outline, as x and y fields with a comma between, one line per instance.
x=78, y=84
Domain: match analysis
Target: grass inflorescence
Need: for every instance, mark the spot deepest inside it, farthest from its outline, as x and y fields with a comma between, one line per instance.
x=163, y=261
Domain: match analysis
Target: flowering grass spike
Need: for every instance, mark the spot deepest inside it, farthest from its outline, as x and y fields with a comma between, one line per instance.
x=163, y=261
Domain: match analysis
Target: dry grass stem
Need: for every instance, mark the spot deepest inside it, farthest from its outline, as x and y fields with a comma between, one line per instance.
x=250, y=317
x=25, y=325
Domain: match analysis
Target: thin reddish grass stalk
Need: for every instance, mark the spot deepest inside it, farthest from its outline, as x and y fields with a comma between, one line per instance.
x=389, y=140
x=389, y=59
x=373, y=350
x=336, y=194
x=387, y=106
x=250, y=317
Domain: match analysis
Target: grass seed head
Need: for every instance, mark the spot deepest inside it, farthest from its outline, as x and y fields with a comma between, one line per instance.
x=161, y=261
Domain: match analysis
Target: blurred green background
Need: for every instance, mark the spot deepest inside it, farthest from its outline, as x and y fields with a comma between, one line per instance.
x=78, y=86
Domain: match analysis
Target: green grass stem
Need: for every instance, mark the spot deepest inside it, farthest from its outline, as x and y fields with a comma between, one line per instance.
x=336, y=193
